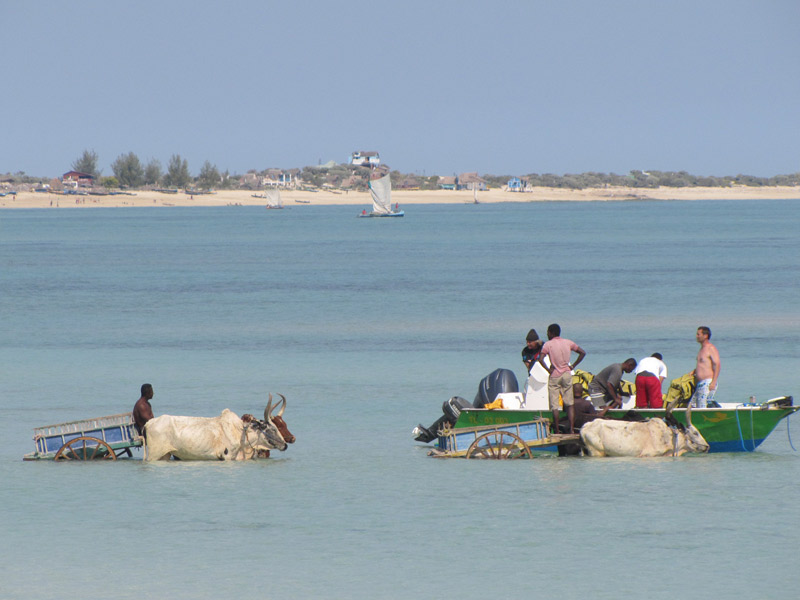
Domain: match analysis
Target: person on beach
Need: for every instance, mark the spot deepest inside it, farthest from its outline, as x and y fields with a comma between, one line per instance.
x=559, y=383
x=650, y=374
x=533, y=345
x=604, y=389
x=707, y=370
x=142, y=410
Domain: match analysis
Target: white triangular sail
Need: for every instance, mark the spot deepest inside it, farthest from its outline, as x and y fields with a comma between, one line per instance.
x=274, y=199
x=381, y=191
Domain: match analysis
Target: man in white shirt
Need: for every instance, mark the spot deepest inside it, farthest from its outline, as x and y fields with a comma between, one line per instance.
x=650, y=373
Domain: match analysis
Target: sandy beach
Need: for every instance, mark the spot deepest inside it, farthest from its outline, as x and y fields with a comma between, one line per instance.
x=292, y=198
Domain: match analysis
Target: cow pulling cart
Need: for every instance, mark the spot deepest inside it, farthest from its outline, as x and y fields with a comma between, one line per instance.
x=102, y=438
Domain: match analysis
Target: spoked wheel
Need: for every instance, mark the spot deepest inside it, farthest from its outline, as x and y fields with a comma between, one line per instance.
x=499, y=445
x=85, y=448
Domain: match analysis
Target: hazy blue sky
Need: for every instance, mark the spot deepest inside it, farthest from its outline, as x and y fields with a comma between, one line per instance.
x=440, y=87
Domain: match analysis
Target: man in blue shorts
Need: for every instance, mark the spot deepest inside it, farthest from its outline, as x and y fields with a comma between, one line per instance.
x=707, y=371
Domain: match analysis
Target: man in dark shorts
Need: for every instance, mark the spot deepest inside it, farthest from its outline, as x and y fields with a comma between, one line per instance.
x=142, y=410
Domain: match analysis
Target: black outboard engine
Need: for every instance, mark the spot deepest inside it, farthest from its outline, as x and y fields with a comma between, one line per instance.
x=499, y=381
x=451, y=409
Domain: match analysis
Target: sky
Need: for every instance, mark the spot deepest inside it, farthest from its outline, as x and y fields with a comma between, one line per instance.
x=438, y=87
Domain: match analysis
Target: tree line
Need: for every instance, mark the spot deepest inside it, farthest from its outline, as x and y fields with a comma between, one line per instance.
x=644, y=179
x=130, y=172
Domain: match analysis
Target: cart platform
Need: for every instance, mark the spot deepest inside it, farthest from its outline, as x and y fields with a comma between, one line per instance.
x=514, y=440
x=103, y=437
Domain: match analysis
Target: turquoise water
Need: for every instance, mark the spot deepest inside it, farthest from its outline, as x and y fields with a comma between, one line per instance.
x=367, y=326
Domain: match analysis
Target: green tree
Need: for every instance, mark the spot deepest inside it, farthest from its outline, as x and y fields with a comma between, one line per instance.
x=87, y=163
x=152, y=172
x=209, y=176
x=109, y=182
x=177, y=172
x=128, y=170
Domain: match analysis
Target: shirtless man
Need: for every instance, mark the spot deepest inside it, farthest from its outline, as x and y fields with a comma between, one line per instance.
x=142, y=410
x=707, y=371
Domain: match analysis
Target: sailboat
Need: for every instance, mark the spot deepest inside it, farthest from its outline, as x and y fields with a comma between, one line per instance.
x=274, y=199
x=381, y=191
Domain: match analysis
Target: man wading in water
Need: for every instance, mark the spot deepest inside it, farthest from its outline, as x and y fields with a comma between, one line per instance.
x=143, y=410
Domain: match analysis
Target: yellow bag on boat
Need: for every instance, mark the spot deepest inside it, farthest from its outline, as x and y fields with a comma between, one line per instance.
x=628, y=388
x=498, y=403
x=680, y=390
x=584, y=378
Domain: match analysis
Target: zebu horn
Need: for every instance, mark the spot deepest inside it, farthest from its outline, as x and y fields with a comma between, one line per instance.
x=268, y=410
x=282, y=404
x=689, y=414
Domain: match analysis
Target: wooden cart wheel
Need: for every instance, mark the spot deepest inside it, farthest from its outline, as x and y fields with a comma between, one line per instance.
x=85, y=448
x=499, y=445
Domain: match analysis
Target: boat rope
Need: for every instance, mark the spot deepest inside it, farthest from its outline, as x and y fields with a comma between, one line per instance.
x=789, y=433
x=739, y=425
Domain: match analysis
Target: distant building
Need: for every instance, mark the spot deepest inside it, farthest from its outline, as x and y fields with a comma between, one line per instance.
x=278, y=178
x=77, y=179
x=409, y=182
x=351, y=182
x=515, y=184
x=360, y=158
x=470, y=181
x=447, y=183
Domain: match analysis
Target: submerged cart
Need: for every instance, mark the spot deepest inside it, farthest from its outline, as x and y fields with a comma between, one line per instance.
x=499, y=440
x=103, y=438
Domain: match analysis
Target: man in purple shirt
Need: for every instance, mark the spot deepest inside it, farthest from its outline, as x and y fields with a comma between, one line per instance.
x=560, y=381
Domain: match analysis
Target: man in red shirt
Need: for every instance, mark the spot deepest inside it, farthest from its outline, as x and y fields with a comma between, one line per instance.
x=560, y=381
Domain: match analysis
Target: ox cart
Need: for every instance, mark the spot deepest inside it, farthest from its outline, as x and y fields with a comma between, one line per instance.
x=101, y=438
x=500, y=438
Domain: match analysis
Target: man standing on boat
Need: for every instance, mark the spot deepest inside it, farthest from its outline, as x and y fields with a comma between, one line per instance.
x=650, y=374
x=142, y=410
x=707, y=371
x=560, y=381
x=533, y=345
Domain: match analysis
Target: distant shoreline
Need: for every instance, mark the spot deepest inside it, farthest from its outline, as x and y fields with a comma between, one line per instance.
x=402, y=197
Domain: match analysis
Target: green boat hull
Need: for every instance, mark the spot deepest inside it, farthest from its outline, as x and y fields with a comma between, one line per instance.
x=740, y=429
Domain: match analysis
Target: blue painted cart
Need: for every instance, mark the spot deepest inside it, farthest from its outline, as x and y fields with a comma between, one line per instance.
x=103, y=438
x=499, y=440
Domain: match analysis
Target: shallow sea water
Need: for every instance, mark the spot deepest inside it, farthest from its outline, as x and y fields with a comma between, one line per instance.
x=367, y=326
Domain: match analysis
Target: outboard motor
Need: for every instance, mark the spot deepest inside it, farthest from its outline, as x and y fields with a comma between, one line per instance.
x=499, y=381
x=451, y=409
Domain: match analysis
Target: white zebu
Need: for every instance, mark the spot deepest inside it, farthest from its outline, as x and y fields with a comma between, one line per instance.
x=609, y=437
x=226, y=437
